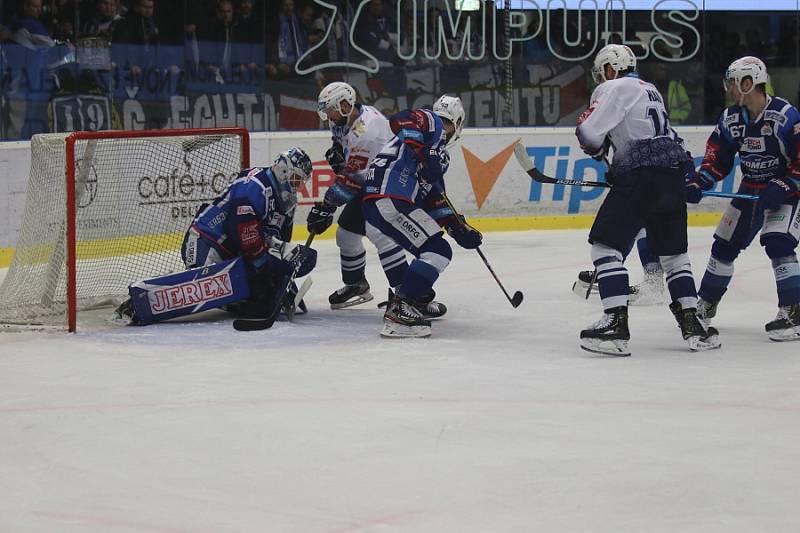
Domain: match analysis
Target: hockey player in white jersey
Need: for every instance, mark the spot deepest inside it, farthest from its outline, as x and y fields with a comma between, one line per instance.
x=359, y=132
x=647, y=190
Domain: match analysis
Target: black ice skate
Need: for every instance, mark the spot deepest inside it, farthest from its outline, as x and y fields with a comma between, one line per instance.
x=125, y=315
x=609, y=335
x=350, y=295
x=706, y=310
x=402, y=319
x=786, y=326
x=696, y=333
x=649, y=292
x=426, y=305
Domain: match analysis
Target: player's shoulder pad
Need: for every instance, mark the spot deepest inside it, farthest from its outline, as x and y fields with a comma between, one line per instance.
x=782, y=113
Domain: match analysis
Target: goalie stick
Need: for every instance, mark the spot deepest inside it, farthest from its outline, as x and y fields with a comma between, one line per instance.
x=527, y=165
x=258, y=324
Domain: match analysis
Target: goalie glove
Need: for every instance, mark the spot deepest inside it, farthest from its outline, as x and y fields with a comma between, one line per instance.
x=465, y=235
x=335, y=157
x=320, y=217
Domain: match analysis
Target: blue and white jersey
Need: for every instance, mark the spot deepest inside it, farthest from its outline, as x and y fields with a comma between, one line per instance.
x=768, y=145
x=629, y=113
x=253, y=209
x=412, y=161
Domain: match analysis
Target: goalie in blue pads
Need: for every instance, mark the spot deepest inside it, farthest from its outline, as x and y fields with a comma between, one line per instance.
x=237, y=250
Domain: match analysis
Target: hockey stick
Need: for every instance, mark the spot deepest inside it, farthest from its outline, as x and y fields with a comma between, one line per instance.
x=731, y=195
x=527, y=165
x=517, y=298
x=258, y=324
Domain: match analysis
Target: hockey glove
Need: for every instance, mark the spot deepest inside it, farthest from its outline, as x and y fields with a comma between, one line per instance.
x=320, y=217
x=465, y=235
x=335, y=157
x=696, y=184
x=777, y=191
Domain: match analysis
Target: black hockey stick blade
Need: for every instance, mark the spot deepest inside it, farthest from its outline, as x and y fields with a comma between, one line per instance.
x=516, y=299
x=526, y=163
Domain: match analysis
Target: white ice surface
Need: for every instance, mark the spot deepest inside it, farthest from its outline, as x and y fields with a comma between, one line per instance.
x=498, y=423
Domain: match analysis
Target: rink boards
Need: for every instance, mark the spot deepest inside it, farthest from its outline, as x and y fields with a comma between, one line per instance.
x=484, y=181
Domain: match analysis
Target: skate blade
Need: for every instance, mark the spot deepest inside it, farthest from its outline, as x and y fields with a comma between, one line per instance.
x=579, y=288
x=358, y=300
x=394, y=330
x=784, y=335
x=617, y=348
x=698, y=344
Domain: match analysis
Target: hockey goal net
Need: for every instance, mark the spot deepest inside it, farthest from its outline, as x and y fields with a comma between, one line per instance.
x=106, y=209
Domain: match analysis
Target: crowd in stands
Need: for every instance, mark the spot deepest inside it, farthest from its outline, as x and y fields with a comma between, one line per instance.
x=263, y=40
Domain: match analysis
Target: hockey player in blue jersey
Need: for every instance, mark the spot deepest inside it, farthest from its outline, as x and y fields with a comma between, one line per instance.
x=359, y=132
x=404, y=199
x=765, y=132
x=648, y=168
x=243, y=237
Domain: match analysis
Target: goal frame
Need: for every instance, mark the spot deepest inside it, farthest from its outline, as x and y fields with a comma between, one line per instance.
x=71, y=198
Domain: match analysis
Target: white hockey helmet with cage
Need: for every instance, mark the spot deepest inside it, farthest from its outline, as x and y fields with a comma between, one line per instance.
x=619, y=56
x=745, y=67
x=451, y=108
x=293, y=167
x=332, y=96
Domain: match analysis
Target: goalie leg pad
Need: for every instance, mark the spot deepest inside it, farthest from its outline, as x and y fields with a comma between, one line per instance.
x=189, y=292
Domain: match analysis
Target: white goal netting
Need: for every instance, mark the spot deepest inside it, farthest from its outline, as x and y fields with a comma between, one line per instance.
x=135, y=197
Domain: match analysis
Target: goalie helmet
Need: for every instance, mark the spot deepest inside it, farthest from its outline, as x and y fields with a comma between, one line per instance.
x=745, y=67
x=450, y=107
x=619, y=56
x=332, y=96
x=291, y=169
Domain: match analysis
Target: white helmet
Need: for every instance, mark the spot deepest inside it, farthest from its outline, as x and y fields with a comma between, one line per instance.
x=332, y=96
x=292, y=167
x=450, y=107
x=747, y=66
x=619, y=56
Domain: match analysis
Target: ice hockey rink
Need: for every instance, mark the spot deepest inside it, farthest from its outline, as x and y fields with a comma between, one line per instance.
x=497, y=423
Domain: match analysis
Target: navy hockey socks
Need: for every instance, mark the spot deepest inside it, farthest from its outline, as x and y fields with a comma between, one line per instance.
x=716, y=279
x=353, y=267
x=787, y=279
x=680, y=282
x=419, y=279
x=394, y=265
x=612, y=277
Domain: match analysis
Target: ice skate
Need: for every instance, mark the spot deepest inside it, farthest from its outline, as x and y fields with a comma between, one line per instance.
x=786, y=326
x=582, y=286
x=706, y=310
x=609, y=335
x=350, y=295
x=426, y=305
x=402, y=319
x=696, y=333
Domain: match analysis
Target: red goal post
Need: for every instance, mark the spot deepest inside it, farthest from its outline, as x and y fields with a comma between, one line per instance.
x=127, y=197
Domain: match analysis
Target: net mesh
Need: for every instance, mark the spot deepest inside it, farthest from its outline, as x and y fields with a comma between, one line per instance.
x=135, y=199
